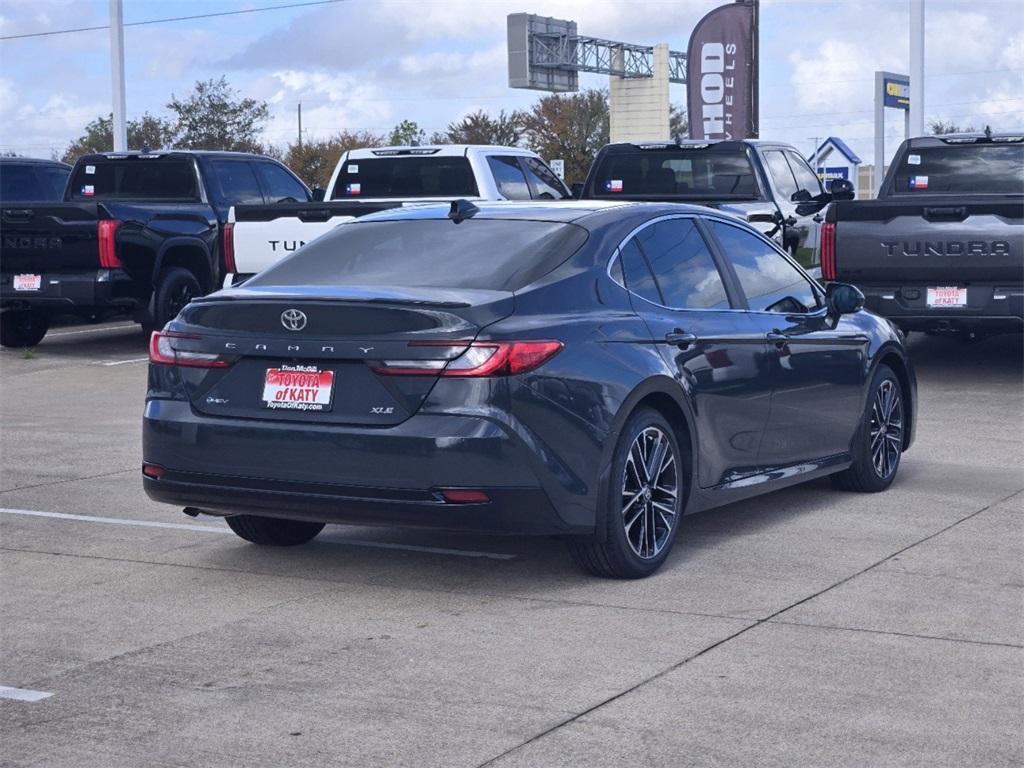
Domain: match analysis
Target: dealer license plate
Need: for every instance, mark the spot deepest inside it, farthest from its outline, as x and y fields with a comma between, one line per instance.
x=947, y=297
x=298, y=388
x=28, y=282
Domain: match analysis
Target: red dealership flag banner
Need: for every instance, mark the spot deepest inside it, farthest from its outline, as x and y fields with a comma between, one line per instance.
x=721, y=77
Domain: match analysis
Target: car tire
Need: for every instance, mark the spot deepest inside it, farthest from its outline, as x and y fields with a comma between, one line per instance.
x=272, y=531
x=21, y=328
x=176, y=288
x=642, y=513
x=878, y=446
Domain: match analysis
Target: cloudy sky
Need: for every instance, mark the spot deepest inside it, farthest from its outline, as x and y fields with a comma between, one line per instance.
x=368, y=64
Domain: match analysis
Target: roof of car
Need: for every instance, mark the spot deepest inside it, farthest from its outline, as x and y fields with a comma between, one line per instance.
x=433, y=150
x=166, y=152
x=628, y=146
x=974, y=137
x=35, y=160
x=564, y=211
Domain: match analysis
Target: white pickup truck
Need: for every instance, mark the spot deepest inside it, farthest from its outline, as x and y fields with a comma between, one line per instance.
x=370, y=180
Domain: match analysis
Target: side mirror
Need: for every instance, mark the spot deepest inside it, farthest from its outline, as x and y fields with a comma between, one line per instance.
x=843, y=299
x=841, y=189
x=577, y=190
x=801, y=196
x=319, y=193
x=763, y=217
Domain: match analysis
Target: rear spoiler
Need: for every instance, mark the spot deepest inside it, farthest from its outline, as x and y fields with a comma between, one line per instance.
x=306, y=211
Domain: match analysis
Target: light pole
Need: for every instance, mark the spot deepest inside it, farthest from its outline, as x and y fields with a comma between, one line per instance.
x=916, y=67
x=120, y=126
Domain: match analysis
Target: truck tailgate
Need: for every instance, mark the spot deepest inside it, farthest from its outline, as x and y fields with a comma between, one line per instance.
x=934, y=241
x=49, y=237
x=264, y=234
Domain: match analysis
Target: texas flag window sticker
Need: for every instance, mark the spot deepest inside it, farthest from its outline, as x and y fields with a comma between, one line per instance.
x=919, y=182
x=353, y=189
x=88, y=190
x=613, y=185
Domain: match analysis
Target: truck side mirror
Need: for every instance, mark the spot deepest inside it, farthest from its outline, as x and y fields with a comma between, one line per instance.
x=318, y=194
x=800, y=196
x=843, y=299
x=841, y=189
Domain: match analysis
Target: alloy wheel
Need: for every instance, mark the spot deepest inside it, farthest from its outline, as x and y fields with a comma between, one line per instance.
x=650, y=492
x=886, y=429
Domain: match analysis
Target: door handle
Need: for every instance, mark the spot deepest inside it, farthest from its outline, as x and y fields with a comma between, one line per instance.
x=680, y=338
x=817, y=218
x=777, y=336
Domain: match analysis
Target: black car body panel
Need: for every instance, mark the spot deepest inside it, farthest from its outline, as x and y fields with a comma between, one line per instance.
x=910, y=240
x=764, y=400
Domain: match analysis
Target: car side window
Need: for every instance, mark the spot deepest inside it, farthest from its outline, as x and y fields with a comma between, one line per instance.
x=544, y=184
x=805, y=177
x=508, y=176
x=237, y=182
x=682, y=265
x=639, y=279
x=769, y=281
x=782, y=175
x=279, y=184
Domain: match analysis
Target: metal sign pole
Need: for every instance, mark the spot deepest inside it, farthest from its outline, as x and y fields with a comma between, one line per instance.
x=876, y=182
x=916, y=121
x=120, y=126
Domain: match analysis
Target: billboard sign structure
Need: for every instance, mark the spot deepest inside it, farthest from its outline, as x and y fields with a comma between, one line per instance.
x=892, y=90
x=526, y=32
x=895, y=91
x=721, y=93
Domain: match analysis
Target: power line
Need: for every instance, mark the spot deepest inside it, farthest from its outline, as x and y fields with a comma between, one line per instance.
x=173, y=18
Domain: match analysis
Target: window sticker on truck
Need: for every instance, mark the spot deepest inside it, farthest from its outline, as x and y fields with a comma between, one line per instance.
x=919, y=182
x=353, y=189
x=353, y=169
x=613, y=185
x=913, y=159
x=88, y=190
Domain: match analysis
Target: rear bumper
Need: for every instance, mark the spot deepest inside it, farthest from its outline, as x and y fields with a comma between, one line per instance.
x=324, y=473
x=989, y=307
x=69, y=292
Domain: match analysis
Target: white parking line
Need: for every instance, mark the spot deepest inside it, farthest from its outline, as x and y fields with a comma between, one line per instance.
x=22, y=694
x=125, y=362
x=91, y=330
x=218, y=529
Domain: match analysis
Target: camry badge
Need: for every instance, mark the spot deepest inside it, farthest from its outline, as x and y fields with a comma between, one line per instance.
x=293, y=319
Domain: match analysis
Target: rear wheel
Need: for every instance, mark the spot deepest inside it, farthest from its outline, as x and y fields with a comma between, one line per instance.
x=176, y=288
x=23, y=327
x=879, y=442
x=272, y=531
x=645, y=502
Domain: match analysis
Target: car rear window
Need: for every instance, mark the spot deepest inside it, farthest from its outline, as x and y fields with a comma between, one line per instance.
x=711, y=173
x=995, y=169
x=31, y=181
x=405, y=177
x=135, y=178
x=492, y=254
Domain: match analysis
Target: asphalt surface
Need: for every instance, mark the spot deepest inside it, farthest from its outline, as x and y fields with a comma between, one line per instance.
x=808, y=627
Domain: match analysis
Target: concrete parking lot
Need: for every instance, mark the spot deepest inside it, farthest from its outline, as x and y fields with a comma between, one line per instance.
x=808, y=627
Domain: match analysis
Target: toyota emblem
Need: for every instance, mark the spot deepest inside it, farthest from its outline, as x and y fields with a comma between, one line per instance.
x=293, y=319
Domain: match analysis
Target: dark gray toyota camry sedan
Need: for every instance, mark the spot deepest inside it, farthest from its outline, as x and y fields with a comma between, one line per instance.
x=592, y=371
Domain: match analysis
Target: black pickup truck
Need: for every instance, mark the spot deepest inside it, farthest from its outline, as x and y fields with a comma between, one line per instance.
x=942, y=248
x=138, y=233
x=28, y=178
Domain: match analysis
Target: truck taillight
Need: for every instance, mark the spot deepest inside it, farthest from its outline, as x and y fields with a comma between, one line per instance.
x=828, y=251
x=229, y=247
x=480, y=359
x=106, y=231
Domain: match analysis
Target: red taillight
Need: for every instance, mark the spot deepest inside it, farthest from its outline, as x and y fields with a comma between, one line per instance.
x=162, y=352
x=480, y=358
x=152, y=470
x=464, y=496
x=828, y=251
x=106, y=231
x=228, y=248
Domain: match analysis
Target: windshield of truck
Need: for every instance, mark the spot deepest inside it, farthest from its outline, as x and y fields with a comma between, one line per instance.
x=135, y=178
x=710, y=173
x=405, y=177
x=994, y=169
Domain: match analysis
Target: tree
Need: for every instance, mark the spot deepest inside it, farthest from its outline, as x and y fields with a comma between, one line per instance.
x=314, y=161
x=214, y=116
x=571, y=127
x=148, y=131
x=478, y=127
x=678, y=125
x=940, y=127
x=407, y=133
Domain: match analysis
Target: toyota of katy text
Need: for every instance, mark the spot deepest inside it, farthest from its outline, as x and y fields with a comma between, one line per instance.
x=591, y=370
x=942, y=248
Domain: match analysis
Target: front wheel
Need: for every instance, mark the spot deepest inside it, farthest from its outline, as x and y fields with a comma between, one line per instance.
x=878, y=445
x=644, y=505
x=272, y=531
x=23, y=327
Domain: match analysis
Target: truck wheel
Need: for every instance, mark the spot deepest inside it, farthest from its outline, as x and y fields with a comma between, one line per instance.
x=23, y=327
x=271, y=531
x=177, y=287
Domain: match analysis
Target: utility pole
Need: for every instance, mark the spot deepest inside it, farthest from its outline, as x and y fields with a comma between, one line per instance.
x=916, y=116
x=814, y=156
x=120, y=126
x=300, y=125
